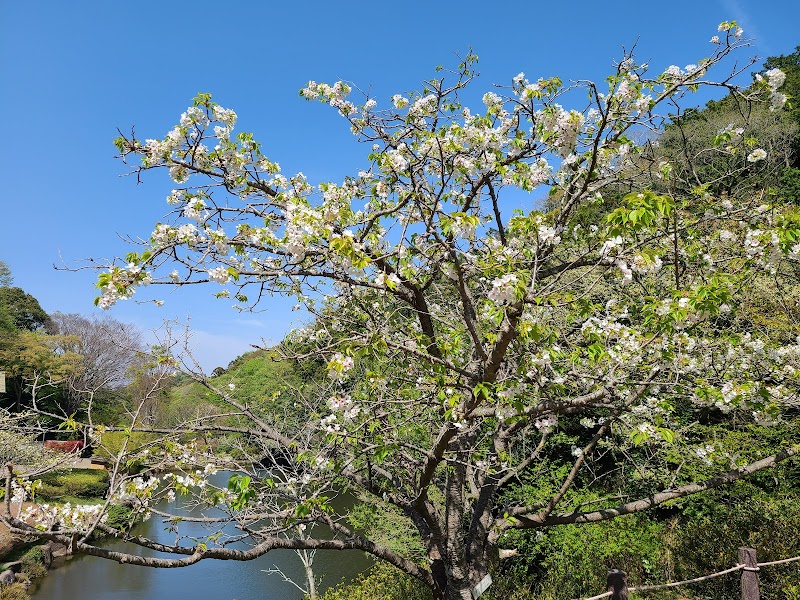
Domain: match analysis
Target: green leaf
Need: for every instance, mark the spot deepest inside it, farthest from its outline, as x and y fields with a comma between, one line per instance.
x=667, y=434
x=239, y=486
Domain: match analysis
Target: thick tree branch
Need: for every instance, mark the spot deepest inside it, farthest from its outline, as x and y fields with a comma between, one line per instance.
x=526, y=521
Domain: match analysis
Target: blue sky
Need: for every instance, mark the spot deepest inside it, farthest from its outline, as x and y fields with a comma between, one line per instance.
x=72, y=73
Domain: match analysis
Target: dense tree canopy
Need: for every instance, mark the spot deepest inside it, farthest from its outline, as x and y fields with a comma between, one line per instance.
x=487, y=362
x=24, y=310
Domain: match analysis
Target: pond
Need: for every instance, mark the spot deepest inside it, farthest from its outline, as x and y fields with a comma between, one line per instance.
x=93, y=578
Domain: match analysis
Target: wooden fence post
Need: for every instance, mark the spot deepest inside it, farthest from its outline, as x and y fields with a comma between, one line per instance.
x=747, y=557
x=617, y=584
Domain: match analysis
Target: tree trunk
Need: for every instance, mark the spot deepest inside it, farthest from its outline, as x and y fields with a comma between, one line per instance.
x=310, y=582
x=462, y=579
x=453, y=583
x=307, y=559
x=459, y=593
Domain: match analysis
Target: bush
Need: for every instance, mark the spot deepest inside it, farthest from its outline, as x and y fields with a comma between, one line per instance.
x=381, y=582
x=790, y=185
x=709, y=543
x=112, y=442
x=78, y=483
x=33, y=563
x=570, y=561
x=120, y=517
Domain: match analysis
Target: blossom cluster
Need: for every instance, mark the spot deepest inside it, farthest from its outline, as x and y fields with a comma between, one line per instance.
x=64, y=516
x=390, y=281
x=342, y=405
x=332, y=94
x=561, y=128
x=774, y=81
x=504, y=289
x=339, y=365
x=120, y=284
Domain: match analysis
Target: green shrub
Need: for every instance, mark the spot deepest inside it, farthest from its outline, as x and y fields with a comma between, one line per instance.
x=120, y=517
x=113, y=441
x=33, y=563
x=790, y=185
x=570, y=561
x=381, y=582
x=385, y=525
x=78, y=483
x=701, y=536
x=738, y=517
x=110, y=407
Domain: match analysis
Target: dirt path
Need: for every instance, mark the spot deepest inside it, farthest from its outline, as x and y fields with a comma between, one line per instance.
x=85, y=463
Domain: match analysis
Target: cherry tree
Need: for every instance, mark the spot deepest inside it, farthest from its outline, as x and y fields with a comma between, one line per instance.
x=491, y=279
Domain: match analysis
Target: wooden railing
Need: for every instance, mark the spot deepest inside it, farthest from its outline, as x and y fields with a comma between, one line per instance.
x=617, y=581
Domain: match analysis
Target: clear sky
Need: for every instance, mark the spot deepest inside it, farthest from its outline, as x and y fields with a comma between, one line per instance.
x=71, y=73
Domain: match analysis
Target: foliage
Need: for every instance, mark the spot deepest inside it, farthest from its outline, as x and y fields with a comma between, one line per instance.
x=24, y=309
x=149, y=380
x=183, y=403
x=790, y=185
x=33, y=563
x=6, y=279
x=271, y=385
x=35, y=367
x=133, y=445
x=120, y=517
x=30, y=353
x=569, y=561
x=742, y=516
x=79, y=483
x=7, y=326
x=710, y=149
x=109, y=407
x=387, y=526
x=686, y=538
x=380, y=582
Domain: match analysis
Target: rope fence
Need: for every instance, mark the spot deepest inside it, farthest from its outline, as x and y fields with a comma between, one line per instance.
x=779, y=562
x=618, y=584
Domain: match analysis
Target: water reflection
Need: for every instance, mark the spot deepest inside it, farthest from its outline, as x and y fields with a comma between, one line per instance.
x=92, y=578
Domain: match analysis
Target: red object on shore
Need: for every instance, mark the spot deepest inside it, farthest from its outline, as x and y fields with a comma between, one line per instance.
x=68, y=447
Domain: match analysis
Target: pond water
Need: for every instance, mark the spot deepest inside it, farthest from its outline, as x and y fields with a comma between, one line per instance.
x=93, y=578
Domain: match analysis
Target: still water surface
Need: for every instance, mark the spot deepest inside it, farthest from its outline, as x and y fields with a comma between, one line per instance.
x=93, y=578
